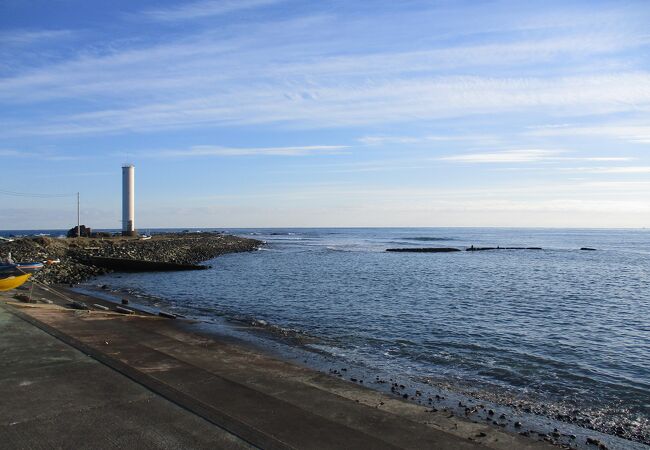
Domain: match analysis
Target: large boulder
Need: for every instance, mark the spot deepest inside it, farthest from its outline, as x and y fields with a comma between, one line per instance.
x=85, y=232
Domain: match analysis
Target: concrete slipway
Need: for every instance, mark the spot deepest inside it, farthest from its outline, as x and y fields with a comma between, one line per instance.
x=97, y=379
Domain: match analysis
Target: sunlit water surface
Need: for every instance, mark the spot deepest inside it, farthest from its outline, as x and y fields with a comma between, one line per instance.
x=561, y=324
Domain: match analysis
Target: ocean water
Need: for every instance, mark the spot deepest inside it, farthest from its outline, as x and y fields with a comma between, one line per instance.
x=563, y=327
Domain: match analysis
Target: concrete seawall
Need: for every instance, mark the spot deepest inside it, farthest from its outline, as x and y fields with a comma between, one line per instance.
x=159, y=384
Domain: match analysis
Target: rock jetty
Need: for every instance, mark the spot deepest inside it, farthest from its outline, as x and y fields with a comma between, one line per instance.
x=74, y=253
x=424, y=250
x=481, y=249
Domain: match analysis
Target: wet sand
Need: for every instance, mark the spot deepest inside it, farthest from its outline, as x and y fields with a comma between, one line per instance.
x=243, y=395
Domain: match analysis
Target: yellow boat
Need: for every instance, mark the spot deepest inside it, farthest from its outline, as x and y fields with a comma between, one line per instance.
x=13, y=281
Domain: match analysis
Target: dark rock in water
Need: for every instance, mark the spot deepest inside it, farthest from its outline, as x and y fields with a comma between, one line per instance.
x=482, y=249
x=424, y=250
x=517, y=424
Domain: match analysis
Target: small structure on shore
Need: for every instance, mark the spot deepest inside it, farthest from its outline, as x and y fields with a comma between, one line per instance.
x=128, y=200
x=79, y=231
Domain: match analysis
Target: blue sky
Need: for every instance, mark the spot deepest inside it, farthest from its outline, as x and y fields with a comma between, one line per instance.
x=335, y=113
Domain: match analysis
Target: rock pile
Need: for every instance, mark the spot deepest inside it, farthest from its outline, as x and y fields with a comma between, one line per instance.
x=82, y=231
x=178, y=248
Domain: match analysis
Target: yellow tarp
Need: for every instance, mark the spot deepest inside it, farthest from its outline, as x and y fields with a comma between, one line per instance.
x=13, y=281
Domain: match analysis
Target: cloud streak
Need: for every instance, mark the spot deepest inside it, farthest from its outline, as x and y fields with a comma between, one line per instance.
x=45, y=156
x=509, y=156
x=634, y=133
x=344, y=105
x=198, y=151
x=203, y=9
x=610, y=170
x=31, y=37
x=526, y=156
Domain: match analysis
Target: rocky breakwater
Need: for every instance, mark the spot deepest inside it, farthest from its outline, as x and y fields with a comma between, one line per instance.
x=180, y=248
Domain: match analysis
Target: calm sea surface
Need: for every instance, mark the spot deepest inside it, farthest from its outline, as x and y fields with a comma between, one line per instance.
x=568, y=326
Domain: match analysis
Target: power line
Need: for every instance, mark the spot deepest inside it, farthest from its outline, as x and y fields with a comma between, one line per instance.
x=34, y=195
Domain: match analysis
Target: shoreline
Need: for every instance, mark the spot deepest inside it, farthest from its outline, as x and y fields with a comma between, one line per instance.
x=514, y=416
x=441, y=386
x=156, y=349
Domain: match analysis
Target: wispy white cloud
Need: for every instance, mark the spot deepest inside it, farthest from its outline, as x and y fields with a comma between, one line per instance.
x=392, y=140
x=635, y=133
x=300, y=72
x=609, y=169
x=208, y=150
x=207, y=8
x=13, y=153
x=508, y=156
x=526, y=156
x=502, y=54
x=633, y=187
x=573, y=198
x=383, y=140
x=31, y=37
x=45, y=156
x=376, y=102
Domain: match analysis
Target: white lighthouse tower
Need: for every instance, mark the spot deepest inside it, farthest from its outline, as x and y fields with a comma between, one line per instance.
x=128, y=200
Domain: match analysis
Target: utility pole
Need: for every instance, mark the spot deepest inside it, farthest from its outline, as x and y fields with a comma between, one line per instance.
x=78, y=217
